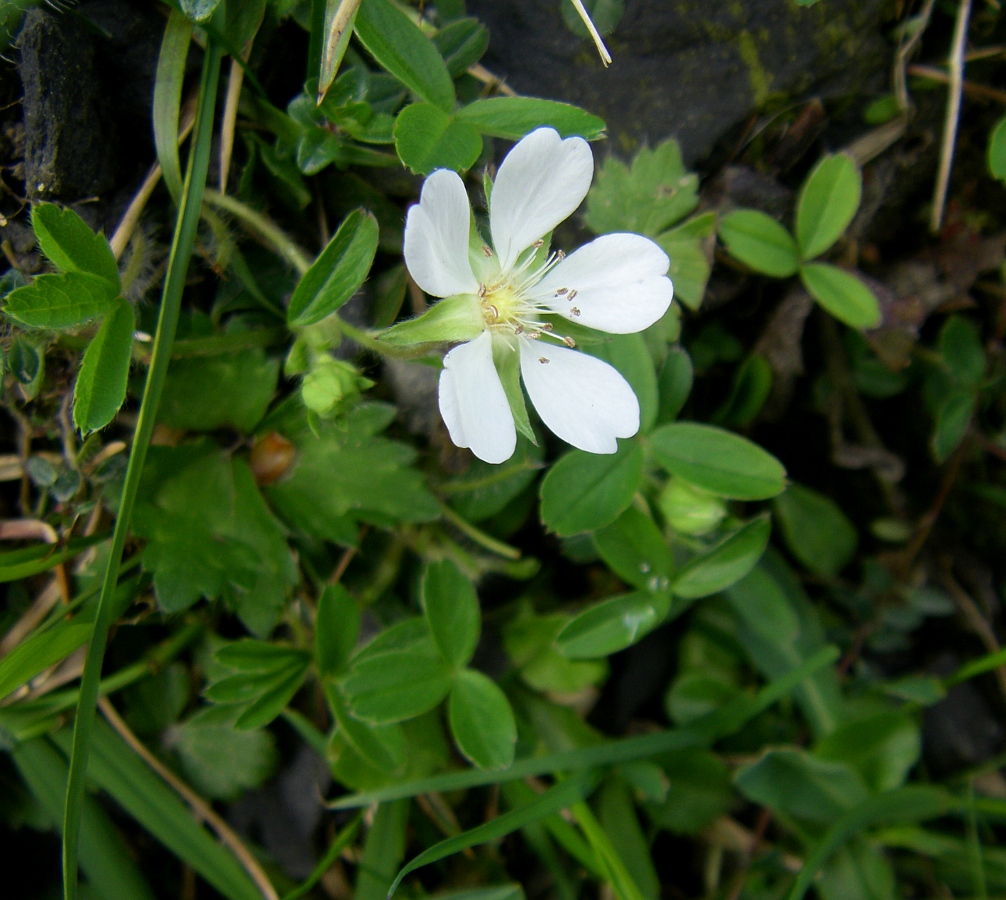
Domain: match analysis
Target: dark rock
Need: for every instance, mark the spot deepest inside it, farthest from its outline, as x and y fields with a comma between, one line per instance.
x=692, y=71
x=88, y=77
x=70, y=127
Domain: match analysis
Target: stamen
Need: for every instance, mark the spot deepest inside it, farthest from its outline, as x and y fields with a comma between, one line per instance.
x=487, y=251
x=538, y=244
x=534, y=335
x=561, y=255
x=574, y=311
x=561, y=291
x=482, y=290
x=519, y=329
x=546, y=326
x=569, y=342
x=494, y=311
x=572, y=294
x=543, y=360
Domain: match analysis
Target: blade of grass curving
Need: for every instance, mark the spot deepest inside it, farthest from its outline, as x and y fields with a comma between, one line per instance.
x=561, y=796
x=617, y=874
x=913, y=803
x=168, y=99
x=342, y=840
x=174, y=284
x=700, y=734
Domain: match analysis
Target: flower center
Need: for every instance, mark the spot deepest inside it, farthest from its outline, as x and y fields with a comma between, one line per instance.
x=510, y=305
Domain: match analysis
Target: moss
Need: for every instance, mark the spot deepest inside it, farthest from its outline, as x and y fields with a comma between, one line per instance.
x=759, y=78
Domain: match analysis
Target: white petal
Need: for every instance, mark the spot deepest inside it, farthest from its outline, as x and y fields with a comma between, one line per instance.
x=582, y=399
x=541, y=181
x=620, y=283
x=436, y=237
x=473, y=403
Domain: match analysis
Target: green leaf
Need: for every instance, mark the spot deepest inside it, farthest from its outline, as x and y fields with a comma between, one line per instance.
x=40, y=651
x=198, y=10
x=636, y=551
x=481, y=720
x=224, y=390
x=511, y=118
x=584, y=491
x=616, y=813
x=689, y=270
x=452, y=611
x=726, y=563
x=530, y=643
x=167, y=100
x=751, y=387
x=398, y=45
x=267, y=678
x=220, y=760
x=382, y=746
x=962, y=351
x=794, y=782
x=882, y=747
x=760, y=242
x=397, y=685
x=104, y=371
x=484, y=489
x=699, y=791
x=628, y=354
x=114, y=768
x=646, y=198
x=561, y=796
x=71, y=246
x=952, y=422
x=427, y=138
x=816, y=530
x=18, y=564
x=336, y=628
x=612, y=625
x=842, y=294
x=210, y=534
x=345, y=469
x=337, y=273
x=997, y=150
x=828, y=201
x=718, y=461
x=340, y=17
x=61, y=301
x=462, y=44
x=674, y=384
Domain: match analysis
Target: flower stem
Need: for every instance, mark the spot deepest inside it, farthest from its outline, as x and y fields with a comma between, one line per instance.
x=174, y=284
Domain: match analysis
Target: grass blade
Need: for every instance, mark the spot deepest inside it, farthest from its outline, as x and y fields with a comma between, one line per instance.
x=174, y=284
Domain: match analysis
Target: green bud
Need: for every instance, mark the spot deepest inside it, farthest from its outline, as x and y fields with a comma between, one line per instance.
x=690, y=510
x=331, y=385
x=297, y=360
x=451, y=320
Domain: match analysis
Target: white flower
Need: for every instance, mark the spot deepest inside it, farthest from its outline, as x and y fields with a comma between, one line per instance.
x=617, y=283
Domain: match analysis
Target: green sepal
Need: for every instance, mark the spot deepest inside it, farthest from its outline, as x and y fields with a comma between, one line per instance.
x=487, y=187
x=452, y=320
x=507, y=362
x=484, y=262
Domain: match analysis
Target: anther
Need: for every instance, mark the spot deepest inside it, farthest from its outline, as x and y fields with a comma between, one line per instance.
x=487, y=250
x=560, y=254
x=574, y=311
x=534, y=335
x=547, y=326
x=519, y=329
x=482, y=290
x=543, y=360
x=494, y=311
x=561, y=291
x=538, y=244
x=572, y=294
x=568, y=341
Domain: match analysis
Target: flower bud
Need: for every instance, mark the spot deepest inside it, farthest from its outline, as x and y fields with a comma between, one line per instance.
x=331, y=386
x=690, y=510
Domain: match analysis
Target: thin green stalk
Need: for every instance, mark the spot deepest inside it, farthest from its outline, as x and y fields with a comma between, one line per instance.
x=618, y=876
x=174, y=284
